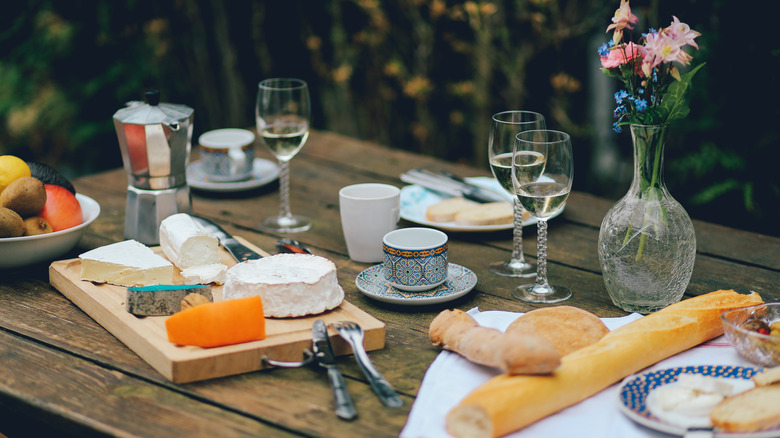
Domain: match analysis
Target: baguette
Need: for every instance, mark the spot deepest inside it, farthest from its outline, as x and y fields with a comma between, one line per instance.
x=516, y=353
x=751, y=411
x=507, y=403
x=445, y=211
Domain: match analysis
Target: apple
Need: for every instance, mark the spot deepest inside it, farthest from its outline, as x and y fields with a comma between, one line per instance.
x=62, y=210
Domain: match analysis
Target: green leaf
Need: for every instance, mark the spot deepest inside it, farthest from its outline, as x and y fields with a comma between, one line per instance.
x=674, y=99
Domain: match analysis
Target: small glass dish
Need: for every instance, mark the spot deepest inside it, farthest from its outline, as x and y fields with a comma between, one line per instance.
x=758, y=348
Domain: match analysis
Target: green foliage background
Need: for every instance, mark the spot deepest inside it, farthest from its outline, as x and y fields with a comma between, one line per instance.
x=421, y=75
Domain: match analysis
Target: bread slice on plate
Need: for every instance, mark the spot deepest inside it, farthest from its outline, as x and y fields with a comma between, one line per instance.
x=445, y=211
x=492, y=213
x=751, y=411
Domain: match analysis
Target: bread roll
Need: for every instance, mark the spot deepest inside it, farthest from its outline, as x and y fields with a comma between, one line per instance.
x=751, y=411
x=567, y=328
x=507, y=403
x=514, y=353
x=492, y=213
x=445, y=211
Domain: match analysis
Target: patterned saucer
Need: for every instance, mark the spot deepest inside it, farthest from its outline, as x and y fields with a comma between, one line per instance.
x=460, y=281
x=633, y=393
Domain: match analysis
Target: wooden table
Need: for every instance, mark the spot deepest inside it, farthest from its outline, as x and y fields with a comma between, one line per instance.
x=63, y=372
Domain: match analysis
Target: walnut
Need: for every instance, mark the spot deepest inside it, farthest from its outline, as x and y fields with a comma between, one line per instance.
x=192, y=300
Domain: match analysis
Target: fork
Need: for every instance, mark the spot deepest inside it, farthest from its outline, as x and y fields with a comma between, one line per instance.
x=353, y=334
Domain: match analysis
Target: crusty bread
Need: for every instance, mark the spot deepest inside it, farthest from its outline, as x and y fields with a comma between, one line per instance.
x=567, y=328
x=750, y=411
x=492, y=213
x=506, y=403
x=445, y=211
x=517, y=353
x=767, y=377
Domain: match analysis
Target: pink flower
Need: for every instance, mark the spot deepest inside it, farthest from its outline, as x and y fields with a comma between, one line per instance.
x=620, y=55
x=662, y=47
x=682, y=32
x=623, y=19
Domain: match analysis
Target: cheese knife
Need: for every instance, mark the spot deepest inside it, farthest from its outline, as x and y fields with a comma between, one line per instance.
x=345, y=408
x=237, y=249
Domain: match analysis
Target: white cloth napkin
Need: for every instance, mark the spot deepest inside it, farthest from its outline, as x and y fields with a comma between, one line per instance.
x=451, y=377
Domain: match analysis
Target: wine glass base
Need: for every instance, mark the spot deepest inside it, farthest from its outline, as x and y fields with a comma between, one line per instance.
x=530, y=293
x=285, y=224
x=514, y=268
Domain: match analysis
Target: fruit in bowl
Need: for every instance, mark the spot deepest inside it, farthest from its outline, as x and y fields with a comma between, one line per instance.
x=41, y=215
x=35, y=199
x=755, y=333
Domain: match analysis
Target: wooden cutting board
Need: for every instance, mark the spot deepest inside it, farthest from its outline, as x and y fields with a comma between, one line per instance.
x=286, y=339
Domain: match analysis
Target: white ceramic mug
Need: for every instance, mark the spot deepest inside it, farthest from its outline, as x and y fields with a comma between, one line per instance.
x=368, y=212
x=415, y=259
x=227, y=154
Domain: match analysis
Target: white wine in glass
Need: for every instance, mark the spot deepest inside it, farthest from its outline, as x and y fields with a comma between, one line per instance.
x=542, y=194
x=504, y=127
x=282, y=115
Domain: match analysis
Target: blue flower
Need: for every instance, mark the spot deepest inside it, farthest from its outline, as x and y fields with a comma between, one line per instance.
x=604, y=50
x=641, y=104
x=620, y=95
x=617, y=128
x=619, y=111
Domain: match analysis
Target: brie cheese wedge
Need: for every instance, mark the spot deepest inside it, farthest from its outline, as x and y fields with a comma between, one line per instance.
x=289, y=284
x=127, y=263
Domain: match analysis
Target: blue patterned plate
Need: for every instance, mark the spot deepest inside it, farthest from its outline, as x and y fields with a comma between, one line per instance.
x=460, y=281
x=633, y=394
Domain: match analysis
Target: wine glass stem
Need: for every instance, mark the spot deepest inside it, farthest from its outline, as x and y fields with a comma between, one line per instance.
x=517, y=246
x=284, y=188
x=541, y=258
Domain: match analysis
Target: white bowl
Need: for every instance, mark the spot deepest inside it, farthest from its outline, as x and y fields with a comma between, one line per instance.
x=26, y=250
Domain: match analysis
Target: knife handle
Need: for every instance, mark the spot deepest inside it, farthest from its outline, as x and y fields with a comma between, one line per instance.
x=345, y=408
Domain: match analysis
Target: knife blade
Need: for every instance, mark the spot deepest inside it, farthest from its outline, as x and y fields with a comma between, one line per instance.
x=237, y=249
x=345, y=408
x=448, y=186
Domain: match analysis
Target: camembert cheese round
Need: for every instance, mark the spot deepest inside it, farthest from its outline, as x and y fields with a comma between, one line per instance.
x=289, y=284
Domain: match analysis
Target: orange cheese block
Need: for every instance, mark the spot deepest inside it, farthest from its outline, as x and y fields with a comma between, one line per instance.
x=216, y=324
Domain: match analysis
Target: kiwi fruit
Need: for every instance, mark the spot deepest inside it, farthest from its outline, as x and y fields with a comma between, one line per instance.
x=25, y=195
x=36, y=225
x=49, y=175
x=11, y=224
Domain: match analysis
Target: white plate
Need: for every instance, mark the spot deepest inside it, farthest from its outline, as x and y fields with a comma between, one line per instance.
x=460, y=281
x=633, y=393
x=415, y=199
x=263, y=172
x=26, y=250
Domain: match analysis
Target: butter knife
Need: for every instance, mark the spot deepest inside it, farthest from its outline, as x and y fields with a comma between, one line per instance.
x=345, y=408
x=448, y=186
x=238, y=250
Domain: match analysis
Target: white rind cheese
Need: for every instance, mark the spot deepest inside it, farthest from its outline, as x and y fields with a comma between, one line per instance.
x=186, y=243
x=127, y=263
x=289, y=284
x=205, y=274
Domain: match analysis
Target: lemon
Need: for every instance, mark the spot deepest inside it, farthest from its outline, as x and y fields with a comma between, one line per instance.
x=11, y=168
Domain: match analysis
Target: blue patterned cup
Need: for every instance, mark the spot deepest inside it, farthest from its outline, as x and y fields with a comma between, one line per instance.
x=415, y=259
x=227, y=155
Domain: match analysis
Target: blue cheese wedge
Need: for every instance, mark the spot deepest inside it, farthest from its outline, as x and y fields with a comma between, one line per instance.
x=161, y=300
x=127, y=263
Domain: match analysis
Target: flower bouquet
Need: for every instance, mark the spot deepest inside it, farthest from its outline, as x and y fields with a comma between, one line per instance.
x=647, y=245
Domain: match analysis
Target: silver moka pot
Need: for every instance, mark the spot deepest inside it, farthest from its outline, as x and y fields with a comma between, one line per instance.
x=155, y=139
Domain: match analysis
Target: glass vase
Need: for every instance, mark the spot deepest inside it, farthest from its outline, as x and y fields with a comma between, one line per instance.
x=647, y=245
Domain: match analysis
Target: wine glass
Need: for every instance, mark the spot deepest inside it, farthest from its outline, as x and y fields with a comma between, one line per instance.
x=503, y=129
x=542, y=186
x=282, y=114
